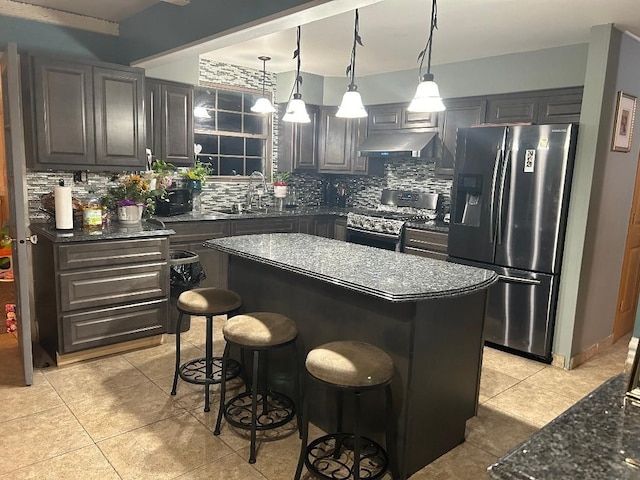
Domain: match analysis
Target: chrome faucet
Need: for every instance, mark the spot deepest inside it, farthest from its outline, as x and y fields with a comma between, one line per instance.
x=251, y=190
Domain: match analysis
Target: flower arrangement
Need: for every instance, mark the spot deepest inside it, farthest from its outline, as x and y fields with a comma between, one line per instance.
x=131, y=189
x=198, y=172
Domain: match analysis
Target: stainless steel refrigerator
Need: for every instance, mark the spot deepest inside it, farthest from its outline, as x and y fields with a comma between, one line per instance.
x=508, y=213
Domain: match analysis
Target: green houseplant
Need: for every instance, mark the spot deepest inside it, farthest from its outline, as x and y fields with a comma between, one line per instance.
x=196, y=176
x=280, y=181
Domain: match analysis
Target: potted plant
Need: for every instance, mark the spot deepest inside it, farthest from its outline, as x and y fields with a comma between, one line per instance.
x=196, y=176
x=131, y=197
x=280, y=182
x=162, y=173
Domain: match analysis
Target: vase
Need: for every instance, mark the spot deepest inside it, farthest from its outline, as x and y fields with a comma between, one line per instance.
x=279, y=191
x=194, y=185
x=130, y=214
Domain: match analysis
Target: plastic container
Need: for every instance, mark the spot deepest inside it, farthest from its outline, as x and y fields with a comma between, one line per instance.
x=185, y=273
x=92, y=213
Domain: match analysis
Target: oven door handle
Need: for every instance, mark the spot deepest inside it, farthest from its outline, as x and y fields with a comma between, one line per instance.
x=390, y=236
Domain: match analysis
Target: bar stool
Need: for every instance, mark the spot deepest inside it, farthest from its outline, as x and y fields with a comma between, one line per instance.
x=350, y=367
x=207, y=302
x=257, y=332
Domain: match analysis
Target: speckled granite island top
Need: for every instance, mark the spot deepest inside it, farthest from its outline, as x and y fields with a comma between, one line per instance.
x=593, y=440
x=393, y=276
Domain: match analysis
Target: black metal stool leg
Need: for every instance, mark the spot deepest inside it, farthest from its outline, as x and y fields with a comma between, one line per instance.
x=223, y=390
x=339, y=415
x=357, y=446
x=208, y=362
x=296, y=386
x=175, y=375
x=305, y=430
x=254, y=405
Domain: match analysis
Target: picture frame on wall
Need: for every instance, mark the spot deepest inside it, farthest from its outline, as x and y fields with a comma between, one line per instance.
x=624, y=122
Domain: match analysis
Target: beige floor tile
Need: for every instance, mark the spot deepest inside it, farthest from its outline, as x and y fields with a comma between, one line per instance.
x=231, y=467
x=163, y=450
x=508, y=363
x=465, y=462
x=40, y=436
x=496, y=432
x=124, y=410
x=536, y=407
x=493, y=382
x=20, y=401
x=87, y=463
x=158, y=362
x=196, y=335
x=94, y=378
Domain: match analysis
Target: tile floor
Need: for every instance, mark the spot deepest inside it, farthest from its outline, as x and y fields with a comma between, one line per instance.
x=113, y=418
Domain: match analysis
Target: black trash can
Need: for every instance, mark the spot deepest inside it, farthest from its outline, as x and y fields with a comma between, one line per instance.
x=185, y=273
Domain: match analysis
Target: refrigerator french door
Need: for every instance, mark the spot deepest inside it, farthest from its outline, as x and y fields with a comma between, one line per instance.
x=509, y=204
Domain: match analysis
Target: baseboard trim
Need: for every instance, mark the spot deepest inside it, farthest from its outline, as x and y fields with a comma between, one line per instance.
x=590, y=352
x=69, y=358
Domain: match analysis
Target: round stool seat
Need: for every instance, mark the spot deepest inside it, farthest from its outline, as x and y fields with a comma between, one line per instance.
x=208, y=301
x=260, y=329
x=350, y=364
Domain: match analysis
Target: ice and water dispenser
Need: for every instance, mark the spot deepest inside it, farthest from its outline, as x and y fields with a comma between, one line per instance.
x=468, y=200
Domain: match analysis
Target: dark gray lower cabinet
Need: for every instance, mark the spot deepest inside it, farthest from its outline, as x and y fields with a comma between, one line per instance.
x=340, y=229
x=97, y=293
x=425, y=244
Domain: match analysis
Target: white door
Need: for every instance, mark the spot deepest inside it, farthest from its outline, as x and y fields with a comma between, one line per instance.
x=18, y=200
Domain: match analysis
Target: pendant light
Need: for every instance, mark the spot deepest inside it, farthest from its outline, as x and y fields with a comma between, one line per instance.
x=263, y=104
x=427, y=97
x=296, y=111
x=351, y=105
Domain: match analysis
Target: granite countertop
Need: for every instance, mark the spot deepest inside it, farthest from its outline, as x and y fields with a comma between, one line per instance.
x=596, y=439
x=110, y=232
x=435, y=226
x=393, y=276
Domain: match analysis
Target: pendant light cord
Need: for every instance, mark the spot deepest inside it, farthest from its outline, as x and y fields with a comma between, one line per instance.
x=264, y=74
x=296, y=54
x=427, y=48
x=351, y=69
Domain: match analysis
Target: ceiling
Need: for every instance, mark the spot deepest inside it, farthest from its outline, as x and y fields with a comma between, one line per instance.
x=394, y=31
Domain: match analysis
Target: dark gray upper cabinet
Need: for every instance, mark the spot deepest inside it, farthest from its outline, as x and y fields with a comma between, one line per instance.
x=460, y=112
x=540, y=107
x=298, y=149
x=88, y=116
x=170, y=124
x=338, y=143
x=512, y=109
x=396, y=116
x=562, y=106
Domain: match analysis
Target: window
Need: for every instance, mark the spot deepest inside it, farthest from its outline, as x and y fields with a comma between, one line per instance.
x=235, y=141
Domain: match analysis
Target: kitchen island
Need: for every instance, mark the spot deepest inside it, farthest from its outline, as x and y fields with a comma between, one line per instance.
x=427, y=314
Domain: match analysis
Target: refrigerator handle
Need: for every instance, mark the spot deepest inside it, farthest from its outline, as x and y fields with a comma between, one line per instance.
x=503, y=179
x=526, y=281
x=492, y=199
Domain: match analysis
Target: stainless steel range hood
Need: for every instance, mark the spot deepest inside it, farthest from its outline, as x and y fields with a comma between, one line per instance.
x=395, y=144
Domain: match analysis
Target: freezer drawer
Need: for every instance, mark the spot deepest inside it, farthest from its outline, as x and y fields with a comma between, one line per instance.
x=521, y=310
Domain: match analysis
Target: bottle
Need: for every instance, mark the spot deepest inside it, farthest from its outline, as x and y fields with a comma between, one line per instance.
x=92, y=213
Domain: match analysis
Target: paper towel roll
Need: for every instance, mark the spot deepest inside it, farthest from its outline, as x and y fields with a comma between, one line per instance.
x=64, y=208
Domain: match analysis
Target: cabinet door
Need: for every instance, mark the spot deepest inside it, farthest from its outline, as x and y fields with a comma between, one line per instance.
x=305, y=153
x=153, y=110
x=323, y=226
x=334, y=143
x=418, y=119
x=562, y=108
x=459, y=113
x=119, y=118
x=513, y=109
x=357, y=133
x=177, y=124
x=64, y=112
x=385, y=117
x=340, y=229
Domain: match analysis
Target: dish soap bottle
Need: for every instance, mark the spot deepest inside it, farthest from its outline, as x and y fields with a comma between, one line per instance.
x=92, y=213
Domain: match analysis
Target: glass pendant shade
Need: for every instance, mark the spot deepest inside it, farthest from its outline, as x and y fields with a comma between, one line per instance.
x=351, y=106
x=201, y=112
x=263, y=105
x=427, y=97
x=296, y=110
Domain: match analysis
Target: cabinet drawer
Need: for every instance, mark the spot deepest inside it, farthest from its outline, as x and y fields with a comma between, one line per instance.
x=109, y=286
x=198, y=231
x=426, y=240
x=105, y=326
x=425, y=253
x=249, y=226
x=113, y=252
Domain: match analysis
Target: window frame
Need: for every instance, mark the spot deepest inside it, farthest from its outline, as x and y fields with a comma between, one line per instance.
x=267, y=136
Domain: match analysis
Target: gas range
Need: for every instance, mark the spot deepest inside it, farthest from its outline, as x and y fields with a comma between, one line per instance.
x=384, y=226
